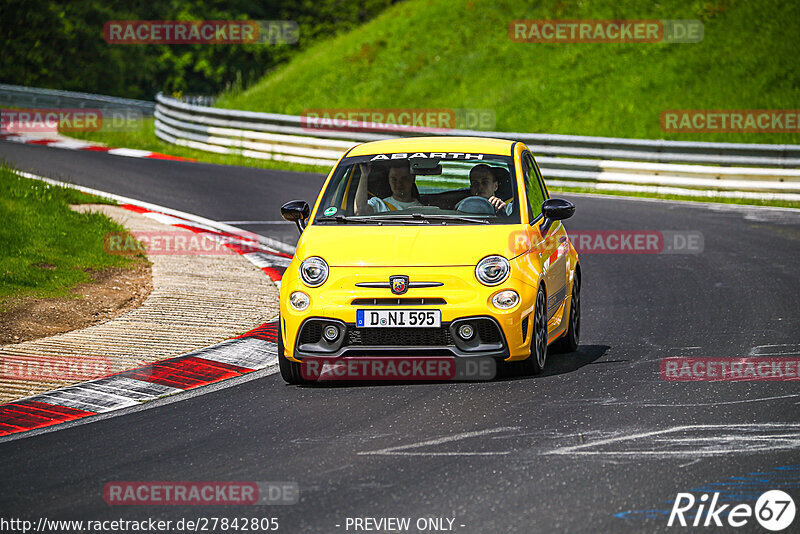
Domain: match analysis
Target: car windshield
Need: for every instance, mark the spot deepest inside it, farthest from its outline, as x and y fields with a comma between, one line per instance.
x=424, y=188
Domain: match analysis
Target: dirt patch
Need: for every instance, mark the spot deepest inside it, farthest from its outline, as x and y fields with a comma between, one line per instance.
x=111, y=292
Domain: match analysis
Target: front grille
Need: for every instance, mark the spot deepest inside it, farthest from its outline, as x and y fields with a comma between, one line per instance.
x=399, y=302
x=408, y=337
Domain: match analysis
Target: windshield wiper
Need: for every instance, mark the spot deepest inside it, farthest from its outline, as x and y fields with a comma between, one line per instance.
x=434, y=217
x=416, y=218
x=341, y=219
x=397, y=218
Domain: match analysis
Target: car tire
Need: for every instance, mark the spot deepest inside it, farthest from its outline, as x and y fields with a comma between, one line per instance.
x=536, y=362
x=290, y=371
x=571, y=338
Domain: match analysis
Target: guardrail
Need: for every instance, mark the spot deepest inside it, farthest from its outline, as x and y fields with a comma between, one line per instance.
x=645, y=163
x=33, y=97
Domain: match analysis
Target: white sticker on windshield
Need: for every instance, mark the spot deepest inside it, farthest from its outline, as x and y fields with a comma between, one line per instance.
x=428, y=155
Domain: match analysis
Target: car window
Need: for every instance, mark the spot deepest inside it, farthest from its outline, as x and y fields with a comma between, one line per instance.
x=466, y=188
x=541, y=179
x=533, y=186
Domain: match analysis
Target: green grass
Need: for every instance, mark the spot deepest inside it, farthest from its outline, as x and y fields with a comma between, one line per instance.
x=142, y=136
x=457, y=54
x=46, y=246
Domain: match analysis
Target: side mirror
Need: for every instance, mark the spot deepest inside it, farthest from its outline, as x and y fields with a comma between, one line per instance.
x=555, y=209
x=296, y=211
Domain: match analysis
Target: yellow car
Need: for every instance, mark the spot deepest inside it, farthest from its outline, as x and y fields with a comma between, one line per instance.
x=430, y=247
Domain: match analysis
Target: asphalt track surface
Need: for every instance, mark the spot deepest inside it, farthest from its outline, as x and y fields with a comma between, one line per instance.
x=590, y=446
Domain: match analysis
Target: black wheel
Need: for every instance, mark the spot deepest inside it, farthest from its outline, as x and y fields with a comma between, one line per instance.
x=290, y=371
x=569, y=342
x=538, y=358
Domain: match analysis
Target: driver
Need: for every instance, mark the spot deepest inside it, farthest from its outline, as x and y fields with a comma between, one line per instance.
x=401, y=182
x=484, y=183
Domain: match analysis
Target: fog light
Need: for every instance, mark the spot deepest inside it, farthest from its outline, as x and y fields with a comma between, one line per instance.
x=505, y=300
x=465, y=332
x=299, y=300
x=330, y=332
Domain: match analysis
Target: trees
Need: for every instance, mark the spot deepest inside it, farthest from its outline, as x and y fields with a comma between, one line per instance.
x=60, y=45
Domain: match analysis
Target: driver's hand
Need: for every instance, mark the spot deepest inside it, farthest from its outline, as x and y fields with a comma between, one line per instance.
x=497, y=203
x=364, y=168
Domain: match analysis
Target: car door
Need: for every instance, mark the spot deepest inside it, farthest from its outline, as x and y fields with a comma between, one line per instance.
x=553, y=247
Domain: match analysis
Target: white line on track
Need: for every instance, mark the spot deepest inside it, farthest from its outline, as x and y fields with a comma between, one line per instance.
x=785, y=349
x=731, y=438
x=717, y=206
x=400, y=449
x=257, y=222
x=670, y=190
x=717, y=403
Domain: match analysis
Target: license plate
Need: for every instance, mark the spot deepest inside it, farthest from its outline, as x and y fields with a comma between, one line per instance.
x=399, y=318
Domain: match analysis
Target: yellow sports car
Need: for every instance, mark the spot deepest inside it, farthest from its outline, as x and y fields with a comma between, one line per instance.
x=431, y=246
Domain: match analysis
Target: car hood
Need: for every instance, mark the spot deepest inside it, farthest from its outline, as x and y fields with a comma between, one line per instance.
x=394, y=245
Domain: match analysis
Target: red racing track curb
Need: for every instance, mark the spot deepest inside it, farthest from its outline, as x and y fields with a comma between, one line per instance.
x=75, y=144
x=256, y=349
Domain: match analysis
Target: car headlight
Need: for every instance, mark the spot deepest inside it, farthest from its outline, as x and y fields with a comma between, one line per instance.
x=299, y=300
x=505, y=300
x=492, y=270
x=313, y=271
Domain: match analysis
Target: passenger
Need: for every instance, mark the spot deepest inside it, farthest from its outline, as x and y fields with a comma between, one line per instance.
x=401, y=182
x=502, y=176
x=483, y=182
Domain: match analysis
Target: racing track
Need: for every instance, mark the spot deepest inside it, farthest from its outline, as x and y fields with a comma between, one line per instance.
x=564, y=452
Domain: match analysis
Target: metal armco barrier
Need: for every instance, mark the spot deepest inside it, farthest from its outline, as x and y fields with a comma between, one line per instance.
x=727, y=168
x=32, y=97
x=707, y=166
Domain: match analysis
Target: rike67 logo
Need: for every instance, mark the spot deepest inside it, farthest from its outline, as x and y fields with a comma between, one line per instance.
x=774, y=510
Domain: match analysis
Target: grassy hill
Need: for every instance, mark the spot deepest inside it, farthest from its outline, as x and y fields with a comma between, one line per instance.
x=457, y=54
x=49, y=248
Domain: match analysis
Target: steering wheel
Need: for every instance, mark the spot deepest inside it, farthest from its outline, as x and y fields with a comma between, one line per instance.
x=476, y=206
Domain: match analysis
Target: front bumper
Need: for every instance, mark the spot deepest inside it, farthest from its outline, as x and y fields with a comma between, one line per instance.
x=487, y=341
x=459, y=297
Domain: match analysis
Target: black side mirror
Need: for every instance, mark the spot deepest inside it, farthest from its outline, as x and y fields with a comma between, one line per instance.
x=296, y=211
x=555, y=209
